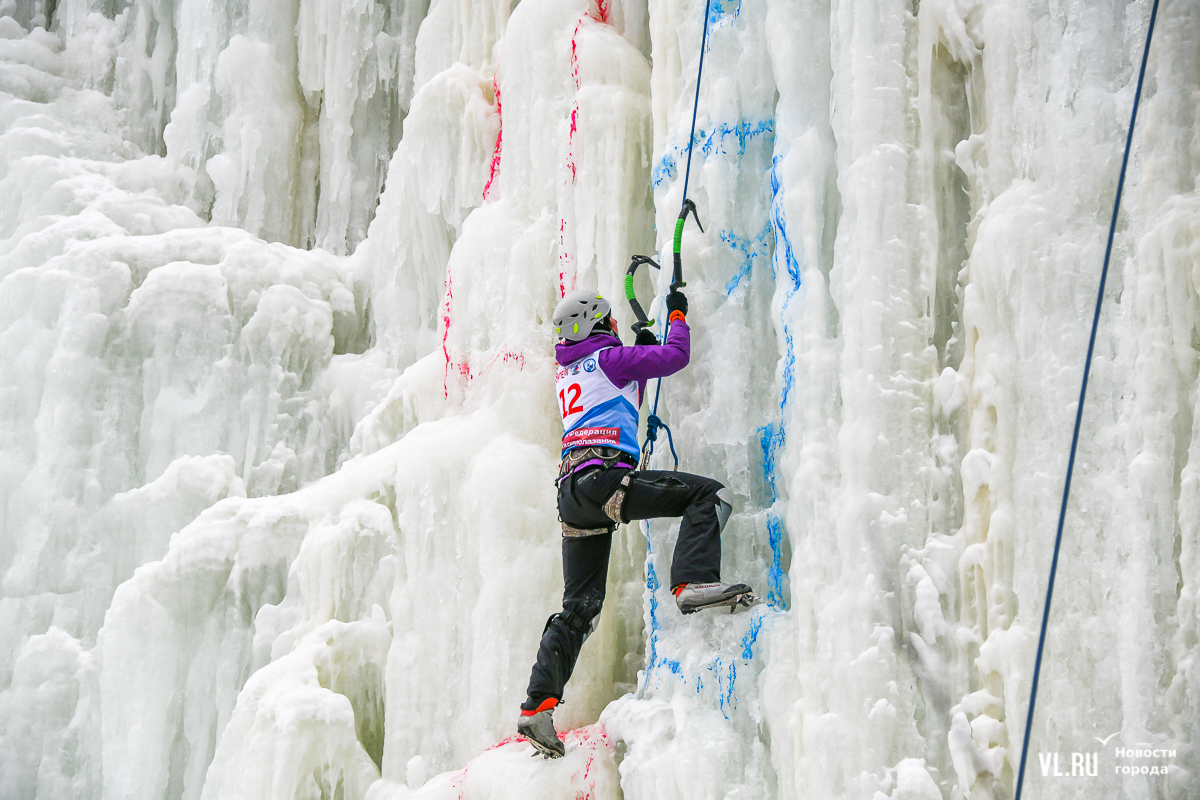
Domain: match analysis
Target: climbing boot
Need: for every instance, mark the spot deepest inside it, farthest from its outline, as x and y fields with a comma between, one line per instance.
x=693, y=597
x=537, y=726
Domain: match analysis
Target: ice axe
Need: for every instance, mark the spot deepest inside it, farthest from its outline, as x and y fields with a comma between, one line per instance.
x=677, y=281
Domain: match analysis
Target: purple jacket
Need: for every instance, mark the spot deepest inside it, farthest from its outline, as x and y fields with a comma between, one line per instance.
x=639, y=362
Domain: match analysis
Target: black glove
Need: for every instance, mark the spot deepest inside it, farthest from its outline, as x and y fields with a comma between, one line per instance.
x=646, y=337
x=676, y=301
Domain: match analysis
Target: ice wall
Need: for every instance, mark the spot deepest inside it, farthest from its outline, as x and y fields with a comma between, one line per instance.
x=278, y=438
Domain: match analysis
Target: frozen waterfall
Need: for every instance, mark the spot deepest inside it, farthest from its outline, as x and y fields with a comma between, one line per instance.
x=278, y=435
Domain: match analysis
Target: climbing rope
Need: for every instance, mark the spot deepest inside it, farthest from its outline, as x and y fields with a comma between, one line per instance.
x=696, y=104
x=654, y=422
x=1087, y=367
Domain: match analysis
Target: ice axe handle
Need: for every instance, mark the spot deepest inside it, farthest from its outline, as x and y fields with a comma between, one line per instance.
x=642, y=321
x=677, y=281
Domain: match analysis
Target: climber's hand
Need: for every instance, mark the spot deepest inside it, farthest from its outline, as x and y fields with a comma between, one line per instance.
x=646, y=337
x=676, y=301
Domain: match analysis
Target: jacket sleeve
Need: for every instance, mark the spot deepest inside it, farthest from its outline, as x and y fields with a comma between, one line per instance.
x=646, y=361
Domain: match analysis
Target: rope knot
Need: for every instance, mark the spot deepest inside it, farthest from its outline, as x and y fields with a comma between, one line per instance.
x=653, y=423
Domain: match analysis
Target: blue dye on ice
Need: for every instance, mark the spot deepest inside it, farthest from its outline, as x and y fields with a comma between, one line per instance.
x=775, y=575
x=750, y=250
x=783, y=241
x=744, y=132
x=655, y=626
x=725, y=668
x=773, y=242
x=721, y=140
x=726, y=677
x=720, y=14
x=785, y=253
x=751, y=635
x=724, y=8
x=726, y=698
x=771, y=438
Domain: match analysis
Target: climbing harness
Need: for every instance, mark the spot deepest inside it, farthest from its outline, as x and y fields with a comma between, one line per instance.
x=653, y=421
x=1087, y=367
x=610, y=457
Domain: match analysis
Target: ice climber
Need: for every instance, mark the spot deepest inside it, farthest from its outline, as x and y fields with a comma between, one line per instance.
x=600, y=385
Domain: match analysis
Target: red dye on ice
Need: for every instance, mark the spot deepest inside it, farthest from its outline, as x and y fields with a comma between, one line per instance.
x=506, y=356
x=463, y=366
x=575, y=53
x=499, y=140
x=586, y=794
x=574, y=101
x=457, y=781
x=571, y=139
x=446, y=298
x=564, y=258
x=591, y=738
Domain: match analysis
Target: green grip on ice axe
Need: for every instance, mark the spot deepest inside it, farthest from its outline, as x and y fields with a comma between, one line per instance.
x=689, y=207
x=642, y=322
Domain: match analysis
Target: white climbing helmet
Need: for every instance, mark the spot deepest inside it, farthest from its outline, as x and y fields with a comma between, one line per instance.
x=577, y=314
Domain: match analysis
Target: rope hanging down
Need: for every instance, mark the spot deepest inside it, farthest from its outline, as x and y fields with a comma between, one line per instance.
x=695, y=105
x=653, y=421
x=1087, y=368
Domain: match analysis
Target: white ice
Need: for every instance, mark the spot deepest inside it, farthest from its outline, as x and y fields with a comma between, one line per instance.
x=278, y=438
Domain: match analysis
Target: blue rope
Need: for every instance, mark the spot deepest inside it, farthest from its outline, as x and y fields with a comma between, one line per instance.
x=1087, y=367
x=696, y=105
x=654, y=422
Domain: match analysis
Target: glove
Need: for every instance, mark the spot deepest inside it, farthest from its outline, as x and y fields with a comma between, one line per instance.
x=676, y=301
x=646, y=337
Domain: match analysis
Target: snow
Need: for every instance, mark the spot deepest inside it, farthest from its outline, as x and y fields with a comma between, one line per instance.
x=277, y=437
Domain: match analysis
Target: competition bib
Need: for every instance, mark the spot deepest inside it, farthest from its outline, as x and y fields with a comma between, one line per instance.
x=595, y=412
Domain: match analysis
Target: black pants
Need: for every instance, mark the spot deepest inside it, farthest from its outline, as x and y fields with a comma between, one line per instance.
x=581, y=499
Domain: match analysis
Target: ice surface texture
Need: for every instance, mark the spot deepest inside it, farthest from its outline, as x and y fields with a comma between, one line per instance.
x=278, y=434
